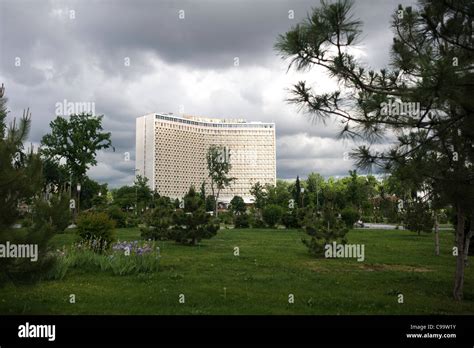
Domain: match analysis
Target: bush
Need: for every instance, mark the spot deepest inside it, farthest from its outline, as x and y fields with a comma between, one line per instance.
x=225, y=218
x=192, y=227
x=257, y=223
x=158, y=221
x=116, y=214
x=272, y=214
x=242, y=221
x=237, y=205
x=349, y=216
x=323, y=230
x=96, y=228
x=291, y=219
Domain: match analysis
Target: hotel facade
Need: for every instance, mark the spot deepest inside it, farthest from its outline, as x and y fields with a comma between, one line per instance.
x=171, y=152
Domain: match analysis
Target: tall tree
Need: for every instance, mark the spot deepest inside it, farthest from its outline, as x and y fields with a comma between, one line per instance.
x=218, y=167
x=424, y=98
x=20, y=182
x=77, y=140
x=297, y=191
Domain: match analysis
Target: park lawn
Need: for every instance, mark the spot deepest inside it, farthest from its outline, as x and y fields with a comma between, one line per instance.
x=272, y=264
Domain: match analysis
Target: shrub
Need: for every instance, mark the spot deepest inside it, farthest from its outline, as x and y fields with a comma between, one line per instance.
x=272, y=214
x=349, y=216
x=225, y=218
x=158, y=221
x=237, y=205
x=258, y=223
x=323, y=230
x=96, y=228
x=290, y=219
x=242, y=221
x=116, y=214
x=192, y=227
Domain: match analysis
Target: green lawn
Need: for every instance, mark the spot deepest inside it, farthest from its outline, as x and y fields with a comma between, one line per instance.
x=272, y=264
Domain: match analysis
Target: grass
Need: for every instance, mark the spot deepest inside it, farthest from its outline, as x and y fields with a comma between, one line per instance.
x=272, y=264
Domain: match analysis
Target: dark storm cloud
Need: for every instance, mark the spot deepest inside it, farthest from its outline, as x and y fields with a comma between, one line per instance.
x=82, y=59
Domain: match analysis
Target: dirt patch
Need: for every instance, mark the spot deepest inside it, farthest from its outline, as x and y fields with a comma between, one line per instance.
x=397, y=268
x=377, y=267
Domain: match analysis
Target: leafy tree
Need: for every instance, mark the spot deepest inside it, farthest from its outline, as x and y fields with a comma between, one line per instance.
x=237, y=205
x=349, y=216
x=143, y=192
x=89, y=195
x=115, y=213
x=76, y=140
x=124, y=197
x=279, y=194
x=272, y=214
x=430, y=77
x=418, y=216
x=218, y=167
x=260, y=195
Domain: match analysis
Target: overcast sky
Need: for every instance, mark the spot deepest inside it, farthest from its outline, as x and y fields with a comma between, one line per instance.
x=79, y=50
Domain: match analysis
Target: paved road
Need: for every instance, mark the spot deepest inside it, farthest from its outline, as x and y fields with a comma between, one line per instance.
x=374, y=226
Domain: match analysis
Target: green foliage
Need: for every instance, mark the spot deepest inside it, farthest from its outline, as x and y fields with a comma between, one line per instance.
x=210, y=203
x=260, y=195
x=237, y=205
x=158, y=220
x=55, y=212
x=349, y=216
x=218, y=167
x=323, y=230
x=192, y=224
x=96, y=228
x=226, y=218
x=242, y=221
x=76, y=139
x=117, y=215
x=116, y=263
x=418, y=217
x=20, y=181
x=272, y=214
x=290, y=218
x=90, y=190
x=125, y=197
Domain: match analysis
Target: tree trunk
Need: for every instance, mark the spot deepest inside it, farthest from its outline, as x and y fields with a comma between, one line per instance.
x=459, y=275
x=436, y=235
x=468, y=241
x=216, y=203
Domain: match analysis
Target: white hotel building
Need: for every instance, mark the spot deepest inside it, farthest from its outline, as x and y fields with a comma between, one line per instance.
x=171, y=153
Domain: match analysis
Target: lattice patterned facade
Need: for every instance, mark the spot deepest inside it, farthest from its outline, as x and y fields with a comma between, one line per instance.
x=171, y=153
